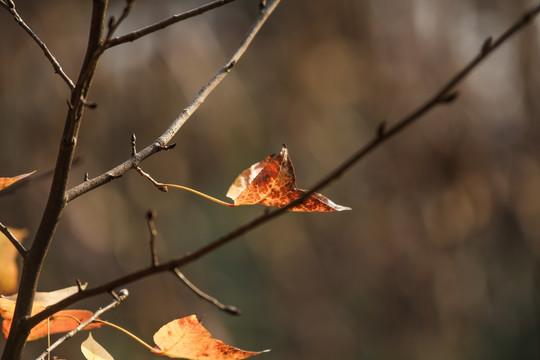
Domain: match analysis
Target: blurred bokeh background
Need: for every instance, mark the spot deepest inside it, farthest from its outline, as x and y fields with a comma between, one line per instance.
x=439, y=258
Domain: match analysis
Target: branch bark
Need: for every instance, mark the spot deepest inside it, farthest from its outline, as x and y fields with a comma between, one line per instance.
x=57, y=200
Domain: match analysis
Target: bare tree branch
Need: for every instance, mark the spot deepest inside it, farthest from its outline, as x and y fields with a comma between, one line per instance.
x=18, y=245
x=10, y=6
x=57, y=199
x=445, y=95
x=161, y=143
x=137, y=34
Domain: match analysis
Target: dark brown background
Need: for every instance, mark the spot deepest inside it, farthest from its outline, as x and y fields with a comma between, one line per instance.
x=439, y=257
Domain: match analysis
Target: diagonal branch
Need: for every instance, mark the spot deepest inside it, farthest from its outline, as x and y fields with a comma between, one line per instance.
x=10, y=6
x=18, y=245
x=445, y=95
x=137, y=34
x=161, y=143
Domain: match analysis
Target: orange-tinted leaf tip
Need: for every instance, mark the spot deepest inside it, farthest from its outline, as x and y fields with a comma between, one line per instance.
x=272, y=182
x=7, y=181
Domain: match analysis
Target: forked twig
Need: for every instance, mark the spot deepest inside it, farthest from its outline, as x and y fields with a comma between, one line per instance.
x=229, y=309
x=122, y=294
x=161, y=143
x=10, y=6
x=383, y=134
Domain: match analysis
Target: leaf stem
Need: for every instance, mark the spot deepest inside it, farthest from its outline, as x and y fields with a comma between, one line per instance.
x=133, y=336
x=164, y=187
x=221, y=202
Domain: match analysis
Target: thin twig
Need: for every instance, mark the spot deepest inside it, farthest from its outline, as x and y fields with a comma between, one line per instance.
x=114, y=24
x=161, y=143
x=229, y=309
x=121, y=296
x=137, y=34
x=381, y=136
x=18, y=245
x=56, y=66
x=150, y=216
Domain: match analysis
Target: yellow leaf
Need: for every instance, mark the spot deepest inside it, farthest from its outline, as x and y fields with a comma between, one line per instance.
x=9, y=272
x=93, y=351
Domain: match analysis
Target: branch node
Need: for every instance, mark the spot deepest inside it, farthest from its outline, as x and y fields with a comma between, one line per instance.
x=111, y=23
x=160, y=186
x=11, y=4
x=487, y=46
x=86, y=178
x=80, y=285
x=262, y=5
x=123, y=293
x=449, y=97
x=168, y=147
x=230, y=65
x=381, y=129
x=89, y=104
x=133, y=144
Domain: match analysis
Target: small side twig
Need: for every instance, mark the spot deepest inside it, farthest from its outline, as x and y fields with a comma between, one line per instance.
x=18, y=245
x=114, y=24
x=137, y=34
x=133, y=144
x=229, y=309
x=158, y=185
x=150, y=216
x=10, y=6
x=121, y=296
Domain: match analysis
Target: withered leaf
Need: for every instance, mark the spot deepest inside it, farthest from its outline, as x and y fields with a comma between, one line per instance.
x=272, y=182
